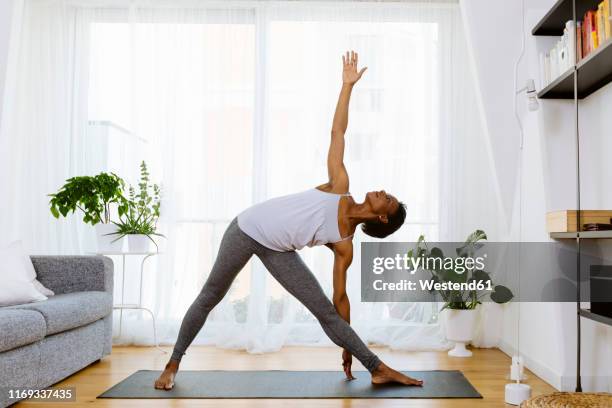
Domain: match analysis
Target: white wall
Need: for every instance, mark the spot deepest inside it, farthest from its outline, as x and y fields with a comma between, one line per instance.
x=6, y=13
x=547, y=331
x=497, y=106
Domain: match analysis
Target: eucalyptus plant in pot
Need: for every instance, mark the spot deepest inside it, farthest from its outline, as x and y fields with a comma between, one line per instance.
x=94, y=196
x=139, y=222
x=459, y=310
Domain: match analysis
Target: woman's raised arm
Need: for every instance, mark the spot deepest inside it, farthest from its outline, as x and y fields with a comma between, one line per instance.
x=338, y=177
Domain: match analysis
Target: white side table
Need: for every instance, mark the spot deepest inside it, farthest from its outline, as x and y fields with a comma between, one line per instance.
x=137, y=306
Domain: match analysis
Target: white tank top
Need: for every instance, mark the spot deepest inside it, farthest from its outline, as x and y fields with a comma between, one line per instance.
x=294, y=221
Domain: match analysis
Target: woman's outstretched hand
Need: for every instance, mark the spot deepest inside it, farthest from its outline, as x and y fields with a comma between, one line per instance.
x=347, y=361
x=350, y=75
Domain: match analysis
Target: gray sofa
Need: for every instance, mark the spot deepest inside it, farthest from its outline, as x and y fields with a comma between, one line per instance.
x=42, y=343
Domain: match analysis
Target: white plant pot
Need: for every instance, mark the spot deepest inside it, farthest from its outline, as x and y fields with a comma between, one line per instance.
x=105, y=241
x=139, y=243
x=460, y=326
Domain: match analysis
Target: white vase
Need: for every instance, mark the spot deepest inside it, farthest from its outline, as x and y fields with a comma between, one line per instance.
x=460, y=326
x=139, y=243
x=105, y=241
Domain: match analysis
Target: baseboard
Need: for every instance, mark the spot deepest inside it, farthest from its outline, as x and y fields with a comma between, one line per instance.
x=589, y=383
x=560, y=382
x=545, y=373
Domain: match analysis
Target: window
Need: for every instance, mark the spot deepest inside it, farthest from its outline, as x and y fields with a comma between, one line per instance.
x=236, y=107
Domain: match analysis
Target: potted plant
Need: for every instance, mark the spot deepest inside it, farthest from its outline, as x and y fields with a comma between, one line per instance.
x=93, y=196
x=459, y=310
x=139, y=222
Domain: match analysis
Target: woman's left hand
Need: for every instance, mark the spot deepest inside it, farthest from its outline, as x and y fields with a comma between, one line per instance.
x=347, y=361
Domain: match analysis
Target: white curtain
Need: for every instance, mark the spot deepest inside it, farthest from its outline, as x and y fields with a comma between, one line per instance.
x=231, y=103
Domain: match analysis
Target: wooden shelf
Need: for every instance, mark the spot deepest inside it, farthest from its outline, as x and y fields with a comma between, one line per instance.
x=594, y=72
x=586, y=313
x=583, y=235
x=560, y=88
x=554, y=21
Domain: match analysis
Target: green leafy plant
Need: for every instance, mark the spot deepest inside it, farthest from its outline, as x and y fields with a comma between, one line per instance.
x=93, y=195
x=461, y=299
x=143, y=209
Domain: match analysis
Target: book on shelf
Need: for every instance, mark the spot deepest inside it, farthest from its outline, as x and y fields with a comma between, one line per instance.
x=601, y=31
x=561, y=57
x=607, y=19
x=577, y=42
x=586, y=36
x=591, y=18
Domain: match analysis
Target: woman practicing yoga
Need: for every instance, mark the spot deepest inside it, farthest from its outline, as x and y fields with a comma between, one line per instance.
x=273, y=230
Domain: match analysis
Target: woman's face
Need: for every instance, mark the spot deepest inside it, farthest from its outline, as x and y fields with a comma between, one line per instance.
x=382, y=203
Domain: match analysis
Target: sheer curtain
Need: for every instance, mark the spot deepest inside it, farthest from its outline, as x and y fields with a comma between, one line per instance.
x=231, y=103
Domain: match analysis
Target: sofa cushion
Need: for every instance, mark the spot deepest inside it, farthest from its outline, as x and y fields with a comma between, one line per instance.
x=20, y=327
x=70, y=310
x=17, y=283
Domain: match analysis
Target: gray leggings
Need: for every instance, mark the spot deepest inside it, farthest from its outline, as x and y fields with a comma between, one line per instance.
x=290, y=271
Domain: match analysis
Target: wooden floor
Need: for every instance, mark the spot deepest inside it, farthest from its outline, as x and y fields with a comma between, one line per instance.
x=486, y=370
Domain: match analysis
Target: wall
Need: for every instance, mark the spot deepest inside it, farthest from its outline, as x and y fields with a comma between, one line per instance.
x=500, y=125
x=547, y=331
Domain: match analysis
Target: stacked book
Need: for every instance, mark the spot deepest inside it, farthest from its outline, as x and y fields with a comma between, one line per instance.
x=594, y=29
x=577, y=42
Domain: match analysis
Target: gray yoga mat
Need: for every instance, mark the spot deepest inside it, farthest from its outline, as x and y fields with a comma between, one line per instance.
x=290, y=384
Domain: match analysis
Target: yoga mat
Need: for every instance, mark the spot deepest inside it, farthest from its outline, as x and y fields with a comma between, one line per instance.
x=290, y=384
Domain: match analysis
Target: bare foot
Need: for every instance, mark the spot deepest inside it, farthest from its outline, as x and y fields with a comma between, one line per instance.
x=166, y=379
x=384, y=375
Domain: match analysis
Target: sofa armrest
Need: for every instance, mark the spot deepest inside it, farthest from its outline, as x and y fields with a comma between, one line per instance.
x=67, y=274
